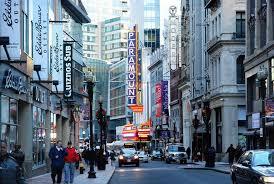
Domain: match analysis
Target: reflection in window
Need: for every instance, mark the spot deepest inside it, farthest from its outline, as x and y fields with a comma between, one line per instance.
x=39, y=133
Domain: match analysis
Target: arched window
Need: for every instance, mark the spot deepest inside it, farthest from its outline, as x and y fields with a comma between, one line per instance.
x=240, y=70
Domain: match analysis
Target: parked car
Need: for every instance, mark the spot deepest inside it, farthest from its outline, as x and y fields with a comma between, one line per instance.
x=157, y=155
x=254, y=167
x=175, y=152
x=128, y=156
x=143, y=156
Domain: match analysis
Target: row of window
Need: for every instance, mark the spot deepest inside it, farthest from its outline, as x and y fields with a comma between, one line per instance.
x=117, y=102
x=118, y=111
x=115, y=45
x=117, y=92
x=120, y=54
x=113, y=27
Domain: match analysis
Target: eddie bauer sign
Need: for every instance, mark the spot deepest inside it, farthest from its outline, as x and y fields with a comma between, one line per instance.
x=67, y=70
x=14, y=82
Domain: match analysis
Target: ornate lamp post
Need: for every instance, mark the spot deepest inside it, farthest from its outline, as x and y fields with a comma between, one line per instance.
x=262, y=75
x=90, y=85
x=101, y=117
x=206, y=113
x=196, y=124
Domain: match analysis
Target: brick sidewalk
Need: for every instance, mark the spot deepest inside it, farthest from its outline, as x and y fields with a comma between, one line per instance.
x=102, y=177
x=219, y=167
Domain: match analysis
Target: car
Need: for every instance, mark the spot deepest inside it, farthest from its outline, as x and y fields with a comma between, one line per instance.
x=156, y=155
x=175, y=152
x=128, y=156
x=143, y=156
x=254, y=167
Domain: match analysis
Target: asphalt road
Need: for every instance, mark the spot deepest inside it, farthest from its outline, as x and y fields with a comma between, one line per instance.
x=156, y=172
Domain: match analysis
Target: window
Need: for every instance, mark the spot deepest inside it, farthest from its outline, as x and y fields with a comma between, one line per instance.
x=240, y=70
x=272, y=77
x=53, y=130
x=39, y=133
x=9, y=120
x=240, y=24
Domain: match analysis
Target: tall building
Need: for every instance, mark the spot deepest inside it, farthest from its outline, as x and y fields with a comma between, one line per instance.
x=148, y=22
x=92, y=41
x=259, y=69
x=223, y=71
x=114, y=39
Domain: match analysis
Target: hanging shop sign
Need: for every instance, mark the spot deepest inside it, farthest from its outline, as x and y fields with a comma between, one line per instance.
x=158, y=100
x=10, y=27
x=56, y=55
x=38, y=94
x=165, y=97
x=68, y=78
x=132, y=97
x=40, y=37
x=269, y=108
x=15, y=82
x=173, y=31
x=256, y=120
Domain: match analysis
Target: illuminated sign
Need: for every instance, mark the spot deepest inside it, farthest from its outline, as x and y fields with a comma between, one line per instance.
x=132, y=95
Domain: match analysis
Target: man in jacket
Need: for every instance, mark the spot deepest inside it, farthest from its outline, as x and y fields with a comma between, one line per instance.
x=10, y=172
x=70, y=160
x=231, y=154
x=57, y=155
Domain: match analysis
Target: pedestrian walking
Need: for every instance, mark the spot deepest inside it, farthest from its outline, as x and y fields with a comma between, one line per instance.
x=238, y=152
x=19, y=155
x=57, y=154
x=211, y=157
x=188, y=152
x=231, y=154
x=10, y=172
x=85, y=155
x=70, y=160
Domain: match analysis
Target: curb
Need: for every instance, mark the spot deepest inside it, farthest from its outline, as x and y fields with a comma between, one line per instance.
x=111, y=175
x=209, y=169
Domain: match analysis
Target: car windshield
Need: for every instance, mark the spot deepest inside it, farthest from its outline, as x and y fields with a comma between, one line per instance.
x=129, y=151
x=175, y=148
x=263, y=158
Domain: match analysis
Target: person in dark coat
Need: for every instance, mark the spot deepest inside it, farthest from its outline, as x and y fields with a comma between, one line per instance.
x=231, y=154
x=19, y=155
x=211, y=157
x=238, y=153
x=188, y=152
x=57, y=154
x=10, y=172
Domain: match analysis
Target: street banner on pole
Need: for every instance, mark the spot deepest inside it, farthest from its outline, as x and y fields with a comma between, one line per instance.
x=10, y=27
x=40, y=37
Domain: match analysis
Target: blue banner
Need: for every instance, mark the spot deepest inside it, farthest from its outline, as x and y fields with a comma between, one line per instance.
x=165, y=97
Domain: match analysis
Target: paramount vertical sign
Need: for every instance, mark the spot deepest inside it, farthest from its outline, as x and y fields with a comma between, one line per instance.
x=10, y=27
x=132, y=62
x=40, y=36
x=68, y=79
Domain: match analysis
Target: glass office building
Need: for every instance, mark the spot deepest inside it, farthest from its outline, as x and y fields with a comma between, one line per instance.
x=152, y=24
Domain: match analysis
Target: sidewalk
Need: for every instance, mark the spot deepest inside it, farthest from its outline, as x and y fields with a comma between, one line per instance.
x=102, y=177
x=221, y=167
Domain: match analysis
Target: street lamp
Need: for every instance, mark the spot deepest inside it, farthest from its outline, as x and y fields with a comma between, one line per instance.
x=196, y=124
x=206, y=113
x=101, y=117
x=90, y=85
x=262, y=75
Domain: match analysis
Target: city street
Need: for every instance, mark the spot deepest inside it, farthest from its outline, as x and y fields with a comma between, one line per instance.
x=156, y=172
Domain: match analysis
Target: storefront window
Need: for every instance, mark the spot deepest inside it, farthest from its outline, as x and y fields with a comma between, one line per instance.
x=39, y=133
x=9, y=119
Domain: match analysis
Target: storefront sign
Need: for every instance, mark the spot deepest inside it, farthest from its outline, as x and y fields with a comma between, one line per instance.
x=40, y=36
x=56, y=55
x=132, y=96
x=14, y=82
x=165, y=96
x=256, y=120
x=10, y=27
x=173, y=32
x=158, y=100
x=68, y=71
x=38, y=94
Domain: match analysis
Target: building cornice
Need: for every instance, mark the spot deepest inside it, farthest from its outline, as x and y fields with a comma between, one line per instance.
x=215, y=44
x=75, y=11
x=259, y=56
